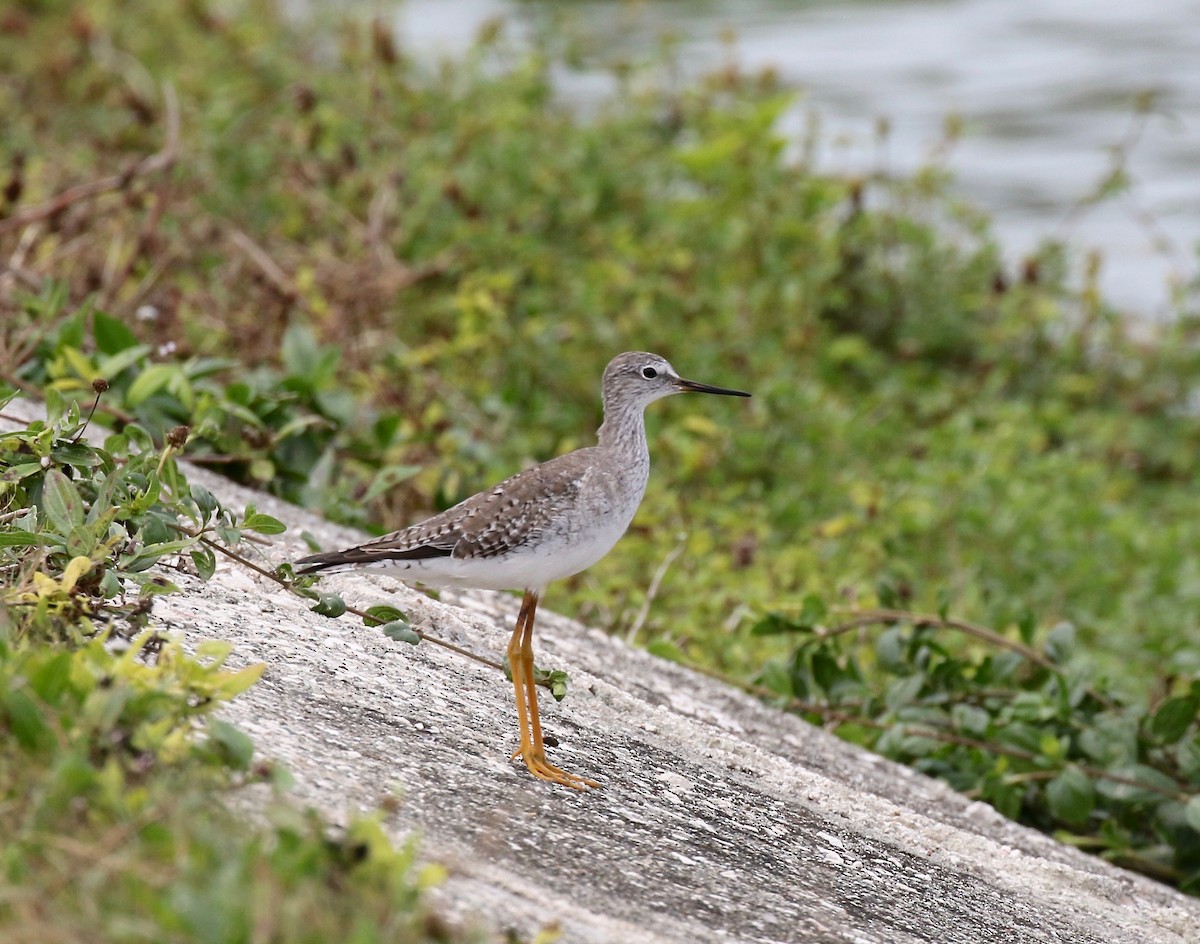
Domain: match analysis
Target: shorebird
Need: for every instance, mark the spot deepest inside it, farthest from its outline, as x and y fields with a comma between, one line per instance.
x=543, y=524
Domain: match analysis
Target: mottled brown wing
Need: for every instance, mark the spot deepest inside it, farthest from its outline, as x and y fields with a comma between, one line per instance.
x=484, y=525
x=521, y=508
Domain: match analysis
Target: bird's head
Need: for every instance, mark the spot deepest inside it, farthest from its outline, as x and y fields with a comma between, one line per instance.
x=639, y=378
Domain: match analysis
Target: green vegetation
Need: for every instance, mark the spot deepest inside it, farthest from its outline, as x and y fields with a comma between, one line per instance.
x=112, y=770
x=374, y=284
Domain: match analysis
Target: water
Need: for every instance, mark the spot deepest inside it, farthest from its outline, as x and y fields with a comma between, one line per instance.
x=1046, y=89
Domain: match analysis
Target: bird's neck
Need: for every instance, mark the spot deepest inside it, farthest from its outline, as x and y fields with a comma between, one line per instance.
x=624, y=430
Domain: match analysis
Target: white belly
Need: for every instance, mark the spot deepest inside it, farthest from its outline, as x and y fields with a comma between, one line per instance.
x=529, y=567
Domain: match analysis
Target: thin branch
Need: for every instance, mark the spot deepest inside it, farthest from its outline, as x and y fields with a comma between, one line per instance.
x=91, y=413
x=652, y=591
x=261, y=571
x=859, y=618
x=269, y=268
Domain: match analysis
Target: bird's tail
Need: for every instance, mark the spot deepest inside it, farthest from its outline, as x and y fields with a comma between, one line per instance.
x=381, y=554
x=331, y=562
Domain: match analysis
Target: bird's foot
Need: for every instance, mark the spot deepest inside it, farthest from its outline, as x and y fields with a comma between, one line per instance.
x=544, y=770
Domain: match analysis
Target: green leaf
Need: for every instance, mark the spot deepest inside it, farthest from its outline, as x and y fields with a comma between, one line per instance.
x=1191, y=813
x=388, y=477
x=1187, y=755
x=1149, y=784
x=331, y=605
x=904, y=691
x=263, y=524
x=1032, y=706
x=79, y=454
x=205, y=561
x=151, y=380
x=812, y=611
x=970, y=719
x=155, y=530
x=110, y=584
x=61, y=502
x=167, y=547
x=233, y=744
x=669, y=650
x=111, y=334
x=234, y=683
x=262, y=469
x=49, y=680
x=299, y=424
x=554, y=679
x=145, y=500
x=890, y=650
x=1071, y=796
x=300, y=352
x=1174, y=716
x=774, y=624
x=55, y=403
x=115, y=364
x=25, y=720
x=1026, y=626
x=402, y=632
x=825, y=669
x=18, y=538
x=150, y=586
x=1060, y=643
x=204, y=500
x=798, y=677
x=378, y=615
x=82, y=541
x=943, y=603
x=15, y=473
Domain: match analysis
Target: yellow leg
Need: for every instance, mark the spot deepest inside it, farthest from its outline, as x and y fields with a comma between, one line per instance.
x=526, y=656
x=517, y=668
x=520, y=662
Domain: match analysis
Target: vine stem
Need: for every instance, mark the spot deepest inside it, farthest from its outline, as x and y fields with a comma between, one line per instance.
x=271, y=575
x=860, y=618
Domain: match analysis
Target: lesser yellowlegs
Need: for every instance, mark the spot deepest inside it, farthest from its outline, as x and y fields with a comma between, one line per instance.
x=543, y=524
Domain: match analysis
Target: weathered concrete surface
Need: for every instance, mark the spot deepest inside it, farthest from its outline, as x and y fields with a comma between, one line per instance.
x=720, y=819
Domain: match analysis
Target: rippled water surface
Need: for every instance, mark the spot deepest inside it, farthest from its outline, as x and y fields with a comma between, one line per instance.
x=1046, y=88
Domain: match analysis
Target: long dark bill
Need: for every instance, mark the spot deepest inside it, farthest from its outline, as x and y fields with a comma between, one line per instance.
x=691, y=386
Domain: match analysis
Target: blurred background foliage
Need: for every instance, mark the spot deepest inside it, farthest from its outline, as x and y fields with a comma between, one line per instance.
x=374, y=283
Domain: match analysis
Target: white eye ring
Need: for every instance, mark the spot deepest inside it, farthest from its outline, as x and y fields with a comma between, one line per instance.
x=649, y=373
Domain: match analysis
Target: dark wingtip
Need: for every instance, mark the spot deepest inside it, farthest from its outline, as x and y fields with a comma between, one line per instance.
x=366, y=554
x=315, y=563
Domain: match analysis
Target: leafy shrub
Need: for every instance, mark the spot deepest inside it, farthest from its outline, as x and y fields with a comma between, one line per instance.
x=112, y=768
x=1037, y=733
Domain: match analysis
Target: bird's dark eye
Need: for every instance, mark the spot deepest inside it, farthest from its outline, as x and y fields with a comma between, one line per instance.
x=649, y=373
